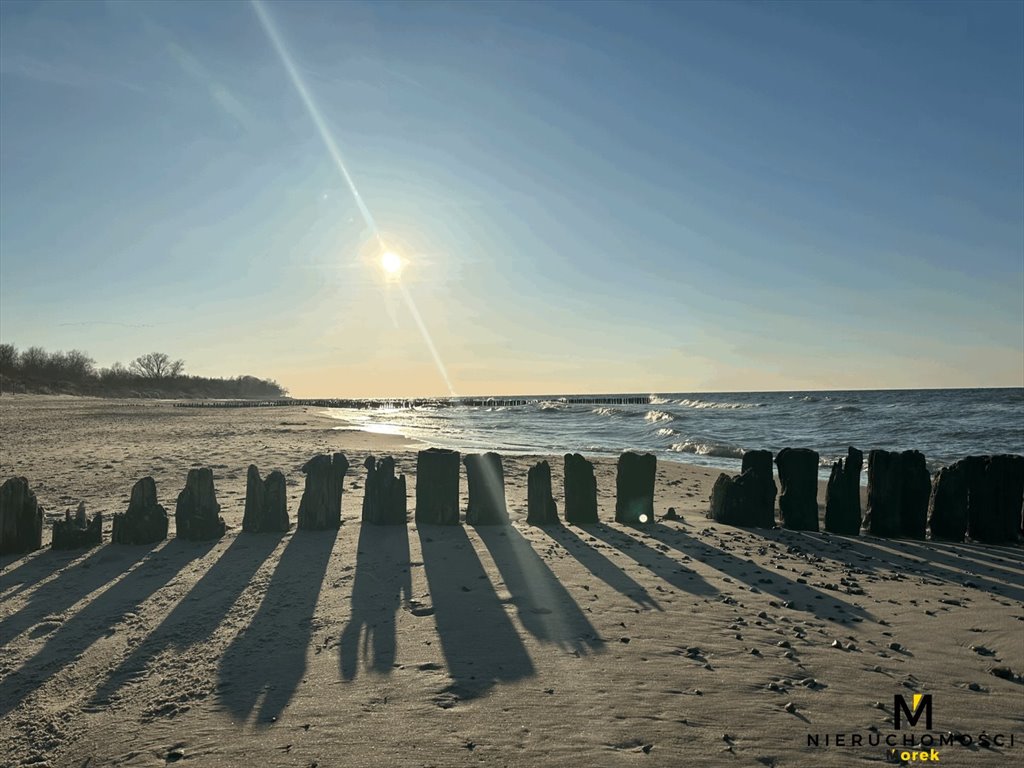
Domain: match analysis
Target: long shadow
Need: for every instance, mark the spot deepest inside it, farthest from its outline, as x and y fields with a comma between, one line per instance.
x=77, y=581
x=479, y=643
x=801, y=596
x=199, y=613
x=544, y=606
x=97, y=619
x=382, y=581
x=600, y=566
x=268, y=659
x=27, y=570
x=658, y=563
x=935, y=560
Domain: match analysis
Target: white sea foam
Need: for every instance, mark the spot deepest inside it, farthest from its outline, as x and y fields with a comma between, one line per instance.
x=658, y=416
x=704, y=404
x=708, y=449
x=666, y=432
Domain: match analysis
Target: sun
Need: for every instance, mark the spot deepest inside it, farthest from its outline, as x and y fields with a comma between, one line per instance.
x=391, y=263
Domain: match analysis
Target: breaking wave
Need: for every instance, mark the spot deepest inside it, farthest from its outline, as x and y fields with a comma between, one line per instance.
x=658, y=416
x=708, y=449
x=702, y=404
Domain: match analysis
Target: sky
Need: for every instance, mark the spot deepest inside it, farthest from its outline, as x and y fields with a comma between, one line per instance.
x=585, y=197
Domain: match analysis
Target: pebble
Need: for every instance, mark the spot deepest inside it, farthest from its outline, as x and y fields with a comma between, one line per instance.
x=791, y=707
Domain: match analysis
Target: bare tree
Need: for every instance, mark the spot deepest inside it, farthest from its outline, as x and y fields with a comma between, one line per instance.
x=156, y=365
x=8, y=358
x=33, y=361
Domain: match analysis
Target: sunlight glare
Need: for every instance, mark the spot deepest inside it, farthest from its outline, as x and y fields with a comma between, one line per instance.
x=391, y=263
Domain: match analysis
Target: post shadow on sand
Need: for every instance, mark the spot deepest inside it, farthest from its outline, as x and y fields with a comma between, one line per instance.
x=199, y=612
x=266, y=661
x=93, y=621
x=931, y=559
x=803, y=597
x=544, y=606
x=480, y=645
x=382, y=581
x=600, y=566
x=76, y=582
x=658, y=563
x=22, y=572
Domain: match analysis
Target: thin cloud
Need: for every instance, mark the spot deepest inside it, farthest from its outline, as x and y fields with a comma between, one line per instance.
x=47, y=72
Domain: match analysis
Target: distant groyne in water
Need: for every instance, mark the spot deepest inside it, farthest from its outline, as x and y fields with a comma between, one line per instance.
x=426, y=402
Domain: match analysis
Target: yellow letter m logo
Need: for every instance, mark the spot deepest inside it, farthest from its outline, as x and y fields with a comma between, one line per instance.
x=922, y=705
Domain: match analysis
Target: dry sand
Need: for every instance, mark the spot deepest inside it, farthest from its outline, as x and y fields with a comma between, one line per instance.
x=679, y=644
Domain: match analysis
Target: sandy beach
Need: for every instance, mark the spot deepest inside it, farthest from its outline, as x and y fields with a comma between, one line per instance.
x=681, y=643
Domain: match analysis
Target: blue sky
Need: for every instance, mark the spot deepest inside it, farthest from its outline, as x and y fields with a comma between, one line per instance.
x=587, y=197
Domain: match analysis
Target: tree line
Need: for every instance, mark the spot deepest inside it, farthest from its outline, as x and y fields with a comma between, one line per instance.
x=156, y=374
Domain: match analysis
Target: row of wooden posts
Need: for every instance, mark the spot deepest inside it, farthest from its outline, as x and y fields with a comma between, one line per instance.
x=981, y=497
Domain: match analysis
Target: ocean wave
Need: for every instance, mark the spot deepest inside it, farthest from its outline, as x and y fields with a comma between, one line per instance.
x=849, y=409
x=658, y=416
x=552, y=406
x=606, y=411
x=656, y=400
x=806, y=398
x=666, y=432
x=702, y=404
x=708, y=449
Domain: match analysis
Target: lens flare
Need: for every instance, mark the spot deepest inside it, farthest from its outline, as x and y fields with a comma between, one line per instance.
x=391, y=262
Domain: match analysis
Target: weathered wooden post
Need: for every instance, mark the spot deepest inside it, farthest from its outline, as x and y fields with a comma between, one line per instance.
x=145, y=522
x=947, y=506
x=762, y=491
x=320, y=506
x=798, y=476
x=197, y=513
x=995, y=486
x=898, y=489
x=540, y=504
x=21, y=518
x=485, y=477
x=384, y=501
x=1009, y=494
x=842, y=495
x=437, y=487
x=748, y=499
x=882, y=517
x=78, y=531
x=917, y=487
x=266, y=502
x=634, y=488
x=580, y=490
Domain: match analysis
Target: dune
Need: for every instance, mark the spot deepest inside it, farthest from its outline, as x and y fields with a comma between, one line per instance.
x=680, y=643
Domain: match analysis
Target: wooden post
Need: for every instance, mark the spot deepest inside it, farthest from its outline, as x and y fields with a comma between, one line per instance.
x=266, y=502
x=580, y=490
x=320, y=507
x=384, y=501
x=485, y=477
x=21, y=518
x=842, y=495
x=798, y=476
x=634, y=488
x=145, y=522
x=197, y=513
x=540, y=504
x=437, y=487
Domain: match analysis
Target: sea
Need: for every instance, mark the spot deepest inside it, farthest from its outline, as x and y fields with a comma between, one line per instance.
x=714, y=429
